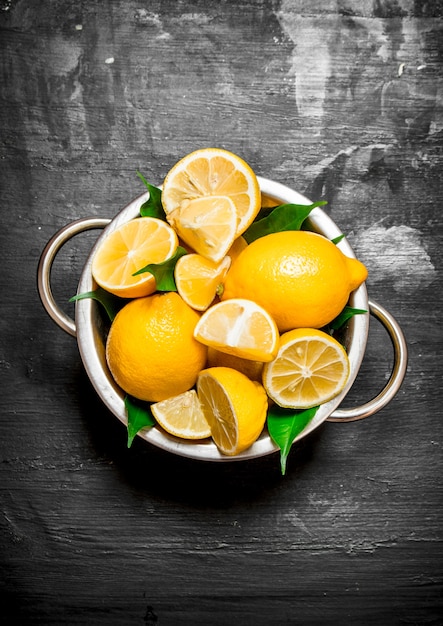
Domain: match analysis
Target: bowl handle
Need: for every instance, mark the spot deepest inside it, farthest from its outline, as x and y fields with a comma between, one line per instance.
x=397, y=374
x=45, y=265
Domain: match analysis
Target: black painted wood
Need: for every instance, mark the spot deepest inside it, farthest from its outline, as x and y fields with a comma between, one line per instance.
x=342, y=101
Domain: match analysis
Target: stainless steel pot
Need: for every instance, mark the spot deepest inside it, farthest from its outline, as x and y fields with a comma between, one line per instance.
x=89, y=330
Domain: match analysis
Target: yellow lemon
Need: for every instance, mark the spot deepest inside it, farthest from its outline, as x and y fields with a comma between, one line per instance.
x=151, y=351
x=240, y=327
x=207, y=225
x=182, y=416
x=198, y=279
x=210, y=197
x=129, y=248
x=234, y=406
x=311, y=368
x=301, y=278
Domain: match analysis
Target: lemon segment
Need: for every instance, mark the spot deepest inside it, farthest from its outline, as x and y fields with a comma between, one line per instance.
x=311, y=368
x=239, y=327
x=234, y=406
x=182, y=416
x=207, y=225
x=127, y=249
x=198, y=279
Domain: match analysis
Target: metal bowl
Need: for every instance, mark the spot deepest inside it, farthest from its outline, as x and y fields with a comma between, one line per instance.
x=90, y=330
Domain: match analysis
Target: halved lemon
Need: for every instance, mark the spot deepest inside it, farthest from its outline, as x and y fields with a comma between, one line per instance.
x=182, y=416
x=239, y=327
x=234, y=406
x=213, y=172
x=198, y=279
x=311, y=368
x=127, y=249
x=207, y=225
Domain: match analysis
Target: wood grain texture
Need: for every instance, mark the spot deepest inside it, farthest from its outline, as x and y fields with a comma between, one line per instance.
x=343, y=102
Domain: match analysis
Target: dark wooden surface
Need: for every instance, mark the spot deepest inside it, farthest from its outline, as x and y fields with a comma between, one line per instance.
x=341, y=100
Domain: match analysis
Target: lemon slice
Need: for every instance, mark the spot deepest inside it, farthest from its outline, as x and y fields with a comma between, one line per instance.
x=182, y=416
x=234, y=406
x=207, y=225
x=127, y=249
x=311, y=368
x=213, y=172
x=198, y=279
x=240, y=327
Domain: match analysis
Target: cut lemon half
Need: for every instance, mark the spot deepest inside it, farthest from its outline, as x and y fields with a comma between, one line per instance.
x=234, y=406
x=182, y=416
x=127, y=249
x=311, y=368
x=213, y=172
x=240, y=327
x=207, y=225
x=198, y=279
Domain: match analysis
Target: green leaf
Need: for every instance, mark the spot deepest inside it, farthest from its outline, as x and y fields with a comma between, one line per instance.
x=337, y=240
x=284, y=425
x=164, y=272
x=139, y=416
x=344, y=316
x=283, y=217
x=112, y=304
x=153, y=206
x=264, y=212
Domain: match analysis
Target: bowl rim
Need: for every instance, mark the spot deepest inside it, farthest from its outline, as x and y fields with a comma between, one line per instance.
x=91, y=343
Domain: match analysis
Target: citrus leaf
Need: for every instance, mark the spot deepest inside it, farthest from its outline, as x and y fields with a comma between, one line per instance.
x=337, y=240
x=344, y=316
x=139, y=416
x=164, y=272
x=153, y=206
x=283, y=217
x=112, y=304
x=284, y=425
x=264, y=212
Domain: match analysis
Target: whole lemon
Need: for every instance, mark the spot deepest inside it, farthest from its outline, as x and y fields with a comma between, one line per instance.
x=301, y=278
x=151, y=351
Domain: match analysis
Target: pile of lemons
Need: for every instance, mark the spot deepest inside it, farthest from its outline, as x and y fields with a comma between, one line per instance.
x=243, y=327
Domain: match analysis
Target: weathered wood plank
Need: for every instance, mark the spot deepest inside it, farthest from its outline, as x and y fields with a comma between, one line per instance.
x=343, y=102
